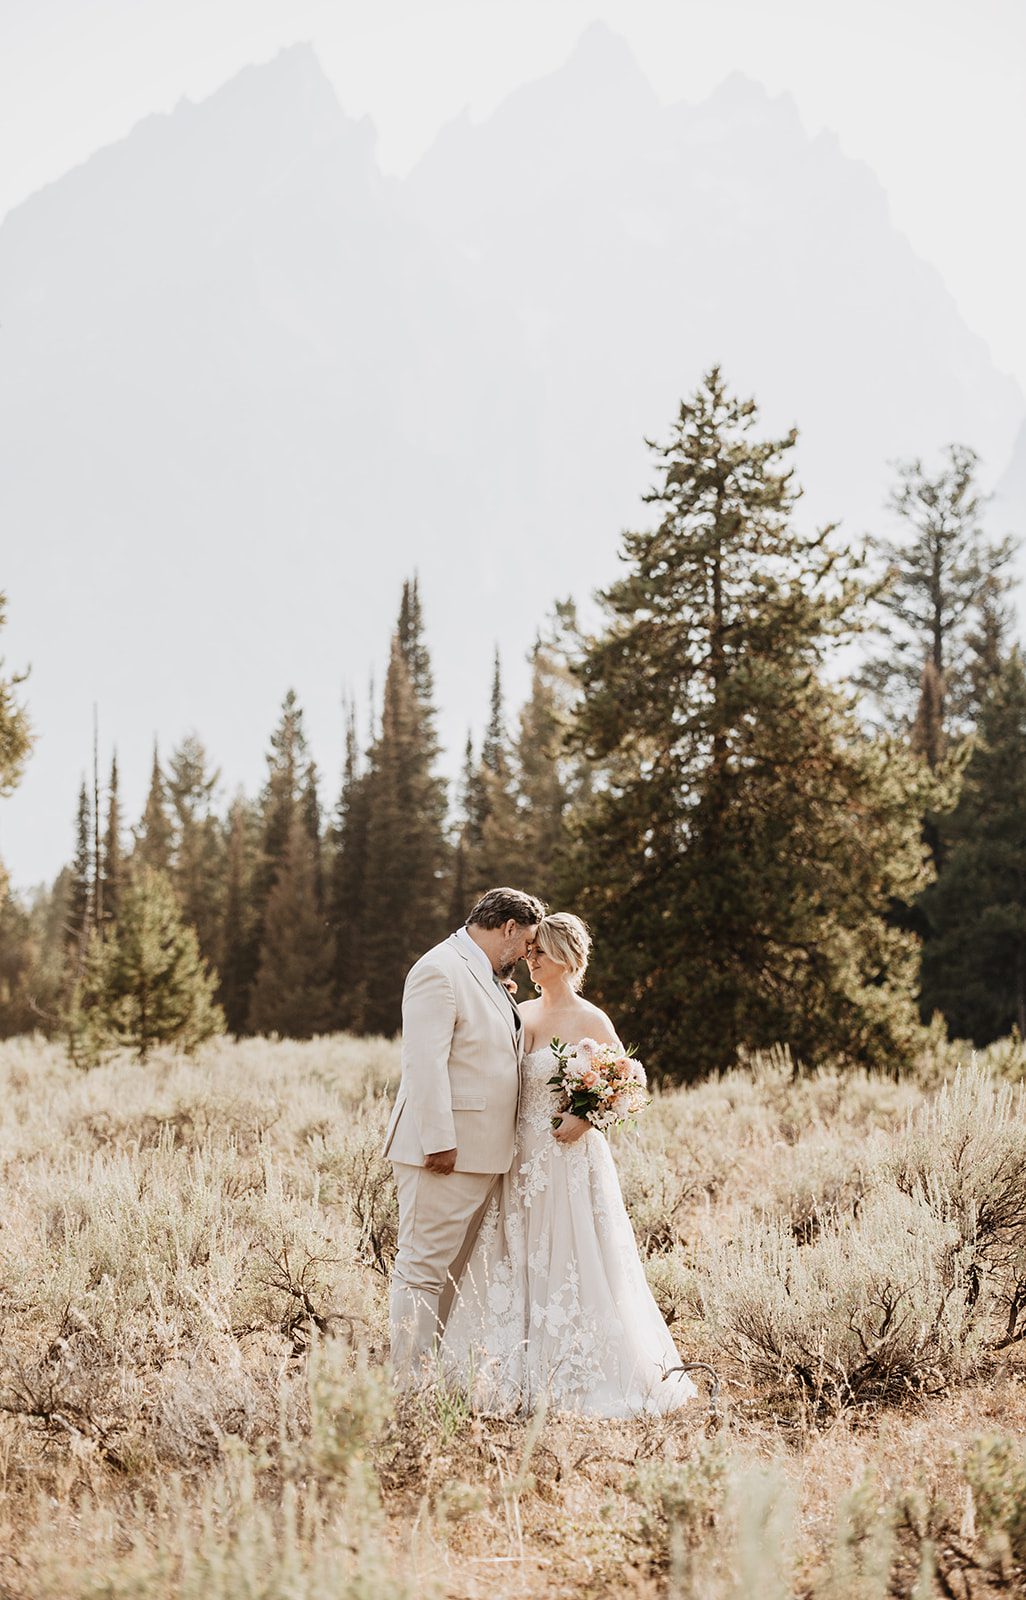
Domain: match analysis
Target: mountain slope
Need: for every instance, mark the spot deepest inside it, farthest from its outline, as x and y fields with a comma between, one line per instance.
x=247, y=384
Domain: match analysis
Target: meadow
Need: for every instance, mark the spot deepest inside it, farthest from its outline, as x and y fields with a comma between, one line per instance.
x=193, y=1328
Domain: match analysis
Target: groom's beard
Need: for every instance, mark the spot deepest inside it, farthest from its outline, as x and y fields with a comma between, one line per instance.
x=508, y=970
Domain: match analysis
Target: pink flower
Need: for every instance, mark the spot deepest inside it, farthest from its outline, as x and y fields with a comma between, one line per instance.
x=589, y=1078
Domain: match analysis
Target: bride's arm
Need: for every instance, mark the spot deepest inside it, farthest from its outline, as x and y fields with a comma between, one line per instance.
x=600, y=1029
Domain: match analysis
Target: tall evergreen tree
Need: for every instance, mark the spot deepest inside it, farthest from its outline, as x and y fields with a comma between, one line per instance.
x=466, y=829
x=234, y=957
x=33, y=959
x=489, y=800
x=198, y=843
x=551, y=778
x=412, y=643
x=153, y=838
x=145, y=983
x=941, y=574
x=741, y=852
x=406, y=852
x=287, y=762
x=495, y=745
x=974, y=965
x=113, y=851
x=292, y=992
x=346, y=888
x=988, y=641
x=310, y=816
x=80, y=898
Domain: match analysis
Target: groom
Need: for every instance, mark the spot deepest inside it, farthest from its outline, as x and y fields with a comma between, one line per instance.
x=452, y=1128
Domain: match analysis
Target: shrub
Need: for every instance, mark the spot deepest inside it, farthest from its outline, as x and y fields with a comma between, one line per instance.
x=876, y=1310
x=996, y=1472
x=963, y=1155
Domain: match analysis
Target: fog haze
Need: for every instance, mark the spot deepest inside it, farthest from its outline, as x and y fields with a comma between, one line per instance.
x=250, y=382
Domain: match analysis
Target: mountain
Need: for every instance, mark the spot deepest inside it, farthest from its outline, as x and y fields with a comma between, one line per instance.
x=247, y=384
x=640, y=244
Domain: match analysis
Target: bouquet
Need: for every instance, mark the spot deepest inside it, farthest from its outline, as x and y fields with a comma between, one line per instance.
x=602, y=1083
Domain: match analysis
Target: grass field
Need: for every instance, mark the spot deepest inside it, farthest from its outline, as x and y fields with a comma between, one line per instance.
x=193, y=1320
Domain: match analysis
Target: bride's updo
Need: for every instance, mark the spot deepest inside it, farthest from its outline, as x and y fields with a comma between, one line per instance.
x=565, y=938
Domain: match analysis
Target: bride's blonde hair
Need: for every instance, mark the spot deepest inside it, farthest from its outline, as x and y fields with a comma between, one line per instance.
x=565, y=938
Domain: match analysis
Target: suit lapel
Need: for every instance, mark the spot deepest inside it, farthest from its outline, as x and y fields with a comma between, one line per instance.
x=501, y=1001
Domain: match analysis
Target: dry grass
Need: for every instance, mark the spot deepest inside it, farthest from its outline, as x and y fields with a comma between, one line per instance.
x=193, y=1311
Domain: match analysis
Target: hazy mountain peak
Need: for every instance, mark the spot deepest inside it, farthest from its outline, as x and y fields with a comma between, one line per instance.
x=288, y=98
x=595, y=108
x=600, y=52
x=743, y=103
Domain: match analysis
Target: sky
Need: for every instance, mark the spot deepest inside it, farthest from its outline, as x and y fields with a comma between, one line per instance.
x=931, y=93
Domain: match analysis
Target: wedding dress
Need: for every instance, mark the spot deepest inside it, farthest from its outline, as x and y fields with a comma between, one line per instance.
x=553, y=1300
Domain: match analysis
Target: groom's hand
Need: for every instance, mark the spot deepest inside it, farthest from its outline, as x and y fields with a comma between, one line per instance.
x=440, y=1161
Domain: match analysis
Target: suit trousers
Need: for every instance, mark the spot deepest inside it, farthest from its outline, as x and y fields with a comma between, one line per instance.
x=439, y=1215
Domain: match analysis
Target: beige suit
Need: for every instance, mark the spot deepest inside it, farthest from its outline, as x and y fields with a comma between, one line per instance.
x=460, y=1087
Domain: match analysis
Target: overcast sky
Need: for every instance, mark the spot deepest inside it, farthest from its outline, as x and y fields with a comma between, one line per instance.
x=932, y=93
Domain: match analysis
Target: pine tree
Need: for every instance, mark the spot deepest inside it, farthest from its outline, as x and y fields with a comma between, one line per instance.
x=19, y=958
x=310, y=816
x=80, y=898
x=494, y=751
x=153, y=840
x=488, y=797
x=415, y=652
x=113, y=854
x=551, y=781
x=940, y=579
x=234, y=956
x=974, y=965
x=466, y=830
x=988, y=642
x=287, y=762
x=292, y=993
x=33, y=959
x=346, y=889
x=198, y=844
x=145, y=984
x=741, y=852
x=406, y=850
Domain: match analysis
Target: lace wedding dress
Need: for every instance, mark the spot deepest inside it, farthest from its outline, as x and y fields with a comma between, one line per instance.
x=554, y=1301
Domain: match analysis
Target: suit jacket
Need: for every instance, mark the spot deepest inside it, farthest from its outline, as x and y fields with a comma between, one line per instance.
x=461, y=1056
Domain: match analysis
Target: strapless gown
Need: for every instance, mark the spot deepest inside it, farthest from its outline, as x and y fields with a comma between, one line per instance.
x=553, y=1301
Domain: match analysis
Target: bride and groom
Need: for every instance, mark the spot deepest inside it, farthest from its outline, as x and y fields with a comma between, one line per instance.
x=517, y=1272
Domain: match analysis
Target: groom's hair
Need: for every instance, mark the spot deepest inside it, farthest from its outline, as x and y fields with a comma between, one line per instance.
x=500, y=906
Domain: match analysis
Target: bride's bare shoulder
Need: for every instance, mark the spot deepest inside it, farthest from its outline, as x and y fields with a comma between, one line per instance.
x=599, y=1026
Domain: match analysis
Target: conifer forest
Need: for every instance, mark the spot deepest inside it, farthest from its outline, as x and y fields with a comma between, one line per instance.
x=782, y=777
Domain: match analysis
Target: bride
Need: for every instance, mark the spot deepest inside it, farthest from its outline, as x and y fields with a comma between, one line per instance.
x=553, y=1301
